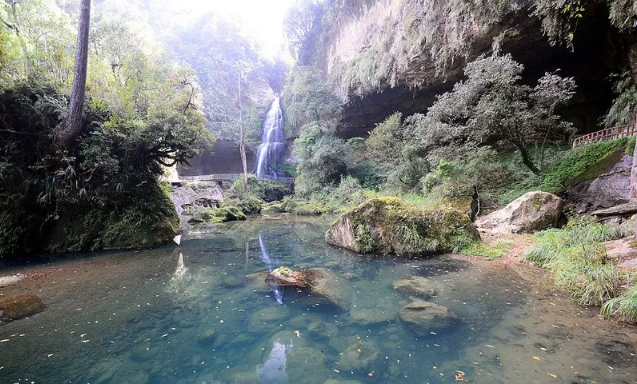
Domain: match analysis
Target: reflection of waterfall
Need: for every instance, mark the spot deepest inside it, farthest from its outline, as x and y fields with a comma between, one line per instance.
x=180, y=282
x=278, y=292
x=273, y=371
x=271, y=150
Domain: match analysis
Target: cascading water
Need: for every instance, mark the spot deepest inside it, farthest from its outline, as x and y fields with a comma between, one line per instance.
x=278, y=293
x=271, y=150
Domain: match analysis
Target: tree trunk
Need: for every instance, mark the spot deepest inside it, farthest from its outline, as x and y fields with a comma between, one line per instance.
x=242, y=145
x=71, y=127
x=633, y=172
x=526, y=158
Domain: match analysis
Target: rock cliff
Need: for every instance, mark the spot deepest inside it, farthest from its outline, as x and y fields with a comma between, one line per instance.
x=396, y=55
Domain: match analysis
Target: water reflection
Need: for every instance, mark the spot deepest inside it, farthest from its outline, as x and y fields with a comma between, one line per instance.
x=276, y=290
x=273, y=371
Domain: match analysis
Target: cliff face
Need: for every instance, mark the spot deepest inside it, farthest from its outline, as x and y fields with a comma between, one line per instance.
x=396, y=55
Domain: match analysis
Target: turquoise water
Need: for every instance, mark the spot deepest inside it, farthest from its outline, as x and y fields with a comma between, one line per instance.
x=188, y=314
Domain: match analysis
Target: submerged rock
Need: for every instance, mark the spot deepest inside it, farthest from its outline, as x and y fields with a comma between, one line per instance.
x=15, y=307
x=426, y=316
x=388, y=225
x=534, y=211
x=306, y=365
x=417, y=286
x=359, y=356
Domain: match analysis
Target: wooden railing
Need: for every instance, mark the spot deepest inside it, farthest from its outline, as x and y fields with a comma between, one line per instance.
x=234, y=176
x=606, y=135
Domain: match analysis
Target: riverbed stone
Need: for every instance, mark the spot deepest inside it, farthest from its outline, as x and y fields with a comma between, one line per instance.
x=371, y=316
x=360, y=356
x=15, y=307
x=534, y=211
x=143, y=353
x=418, y=286
x=206, y=337
x=427, y=317
x=306, y=365
x=328, y=286
x=264, y=319
x=388, y=225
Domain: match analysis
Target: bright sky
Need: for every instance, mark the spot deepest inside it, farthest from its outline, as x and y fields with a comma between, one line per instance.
x=263, y=19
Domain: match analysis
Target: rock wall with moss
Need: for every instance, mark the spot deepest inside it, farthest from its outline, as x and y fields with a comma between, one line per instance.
x=396, y=55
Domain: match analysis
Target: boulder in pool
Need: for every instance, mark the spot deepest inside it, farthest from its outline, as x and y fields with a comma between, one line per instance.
x=388, y=225
x=15, y=307
x=427, y=317
x=534, y=211
x=417, y=286
x=321, y=283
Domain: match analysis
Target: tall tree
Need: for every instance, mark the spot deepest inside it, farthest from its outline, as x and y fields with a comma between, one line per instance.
x=242, y=136
x=71, y=126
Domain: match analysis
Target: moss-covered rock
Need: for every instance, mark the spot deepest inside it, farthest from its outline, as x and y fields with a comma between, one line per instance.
x=218, y=215
x=148, y=219
x=388, y=225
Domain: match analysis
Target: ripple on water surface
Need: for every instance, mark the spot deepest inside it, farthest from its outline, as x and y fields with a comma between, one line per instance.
x=189, y=314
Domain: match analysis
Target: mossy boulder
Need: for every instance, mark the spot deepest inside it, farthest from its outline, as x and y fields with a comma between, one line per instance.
x=15, y=307
x=388, y=225
x=218, y=215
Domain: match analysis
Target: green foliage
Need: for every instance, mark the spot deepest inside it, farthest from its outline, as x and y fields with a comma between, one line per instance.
x=260, y=189
x=493, y=104
x=560, y=18
x=107, y=165
x=308, y=98
x=585, y=162
x=386, y=140
x=623, y=307
x=324, y=158
x=622, y=112
x=577, y=257
x=489, y=251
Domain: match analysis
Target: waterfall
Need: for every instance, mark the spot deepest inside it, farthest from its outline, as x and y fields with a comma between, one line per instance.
x=271, y=149
x=278, y=293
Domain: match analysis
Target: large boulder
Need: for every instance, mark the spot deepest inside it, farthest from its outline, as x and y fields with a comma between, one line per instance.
x=534, y=211
x=427, y=317
x=15, y=307
x=388, y=225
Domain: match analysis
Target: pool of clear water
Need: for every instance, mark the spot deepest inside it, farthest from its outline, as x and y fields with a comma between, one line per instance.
x=188, y=314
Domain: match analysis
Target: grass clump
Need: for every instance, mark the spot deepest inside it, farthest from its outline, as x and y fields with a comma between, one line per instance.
x=488, y=251
x=577, y=256
x=623, y=307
